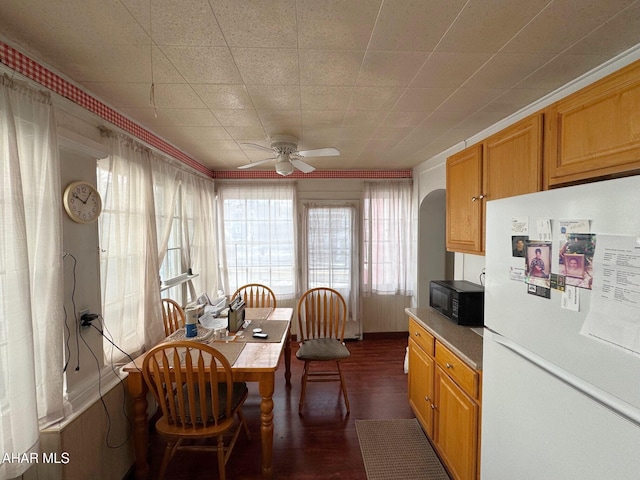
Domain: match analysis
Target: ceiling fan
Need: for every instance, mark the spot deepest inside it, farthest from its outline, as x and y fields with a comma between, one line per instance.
x=288, y=156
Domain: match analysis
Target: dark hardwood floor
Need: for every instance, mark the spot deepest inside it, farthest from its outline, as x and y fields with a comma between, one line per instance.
x=322, y=443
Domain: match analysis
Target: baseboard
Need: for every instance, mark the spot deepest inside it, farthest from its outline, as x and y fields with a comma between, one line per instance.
x=384, y=335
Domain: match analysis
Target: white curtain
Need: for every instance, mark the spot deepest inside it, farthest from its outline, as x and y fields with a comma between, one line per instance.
x=129, y=267
x=259, y=238
x=166, y=185
x=198, y=227
x=31, y=272
x=331, y=236
x=388, y=245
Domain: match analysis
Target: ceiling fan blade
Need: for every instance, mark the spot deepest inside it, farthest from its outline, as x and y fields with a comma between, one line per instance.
x=255, y=145
x=302, y=166
x=319, y=152
x=254, y=164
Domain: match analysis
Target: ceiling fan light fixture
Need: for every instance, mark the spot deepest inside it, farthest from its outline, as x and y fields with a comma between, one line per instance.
x=284, y=167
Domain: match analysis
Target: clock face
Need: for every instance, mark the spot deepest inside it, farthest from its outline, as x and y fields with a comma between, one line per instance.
x=82, y=202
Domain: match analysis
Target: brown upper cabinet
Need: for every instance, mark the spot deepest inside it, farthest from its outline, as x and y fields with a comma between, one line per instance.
x=595, y=132
x=507, y=163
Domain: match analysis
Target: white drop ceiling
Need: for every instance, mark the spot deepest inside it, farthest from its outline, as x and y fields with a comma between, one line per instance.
x=390, y=83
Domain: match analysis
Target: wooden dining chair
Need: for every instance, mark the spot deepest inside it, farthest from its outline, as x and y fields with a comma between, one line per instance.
x=172, y=315
x=197, y=400
x=322, y=315
x=256, y=295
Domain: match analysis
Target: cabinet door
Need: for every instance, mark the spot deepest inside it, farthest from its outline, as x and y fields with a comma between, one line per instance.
x=595, y=132
x=464, y=204
x=512, y=160
x=455, y=427
x=421, y=368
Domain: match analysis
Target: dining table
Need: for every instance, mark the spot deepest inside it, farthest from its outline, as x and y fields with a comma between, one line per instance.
x=252, y=360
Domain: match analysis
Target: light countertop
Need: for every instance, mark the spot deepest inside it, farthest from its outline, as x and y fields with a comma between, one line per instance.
x=460, y=339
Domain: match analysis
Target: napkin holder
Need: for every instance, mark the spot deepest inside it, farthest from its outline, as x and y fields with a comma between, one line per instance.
x=236, y=315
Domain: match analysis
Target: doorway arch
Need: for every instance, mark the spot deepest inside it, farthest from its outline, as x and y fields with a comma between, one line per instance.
x=434, y=262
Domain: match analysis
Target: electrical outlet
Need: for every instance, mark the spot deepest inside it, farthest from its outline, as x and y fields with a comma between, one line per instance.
x=83, y=312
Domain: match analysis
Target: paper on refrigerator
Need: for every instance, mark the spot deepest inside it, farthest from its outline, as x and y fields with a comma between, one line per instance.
x=614, y=316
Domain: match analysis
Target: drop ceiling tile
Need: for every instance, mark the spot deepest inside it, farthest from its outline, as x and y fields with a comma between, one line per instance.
x=224, y=97
x=321, y=118
x=330, y=67
x=204, y=64
x=440, y=121
x=267, y=66
x=563, y=24
x=335, y=24
x=322, y=137
x=469, y=100
x=246, y=133
x=108, y=64
x=612, y=37
x=173, y=116
x=449, y=69
x=392, y=134
x=406, y=25
x=237, y=118
x=401, y=119
x=486, y=25
x=129, y=95
x=257, y=24
x=281, y=121
x=422, y=99
x=505, y=70
x=389, y=69
x=176, y=96
x=357, y=132
x=184, y=23
x=220, y=146
x=275, y=97
x=520, y=97
x=374, y=98
x=325, y=98
x=198, y=132
x=163, y=70
x=561, y=70
x=363, y=118
x=480, y=120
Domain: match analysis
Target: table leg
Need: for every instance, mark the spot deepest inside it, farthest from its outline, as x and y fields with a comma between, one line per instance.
x=266, y=387
x=287, y=359
x=138, y=390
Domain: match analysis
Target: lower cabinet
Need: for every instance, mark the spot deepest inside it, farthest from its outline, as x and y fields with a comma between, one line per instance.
x=444, y=393
x=455, y=427
x=421, y=371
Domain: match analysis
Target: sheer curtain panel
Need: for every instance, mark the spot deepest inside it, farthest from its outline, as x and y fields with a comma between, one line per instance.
x=129, y=265
x=198, y=220
x=388, y=242
x=258, y=241
x=31, y=272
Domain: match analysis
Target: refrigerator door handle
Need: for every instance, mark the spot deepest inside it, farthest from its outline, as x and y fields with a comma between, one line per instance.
x=612, y=403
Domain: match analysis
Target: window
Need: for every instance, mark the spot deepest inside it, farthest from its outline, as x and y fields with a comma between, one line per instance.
x=259, y=238
x=329, y=247
x=387, y=238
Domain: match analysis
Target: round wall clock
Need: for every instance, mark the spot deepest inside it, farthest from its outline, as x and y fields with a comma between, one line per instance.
x=82, y=202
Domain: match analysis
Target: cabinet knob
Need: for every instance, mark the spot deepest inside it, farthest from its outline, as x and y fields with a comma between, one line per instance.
x=449, y=365
x=417, y=334
x=481, y=197
x=427, y=399
x=473, y=199
x=433, y=407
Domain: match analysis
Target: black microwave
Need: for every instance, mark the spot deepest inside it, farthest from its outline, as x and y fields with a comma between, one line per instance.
x=459, y=300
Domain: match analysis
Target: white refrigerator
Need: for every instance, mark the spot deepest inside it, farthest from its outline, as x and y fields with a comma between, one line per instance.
x=559, y=403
